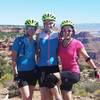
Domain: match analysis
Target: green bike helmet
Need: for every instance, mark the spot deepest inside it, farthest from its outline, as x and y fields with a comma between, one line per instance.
x=48, y=16
x=31, y=22
x=66, y=23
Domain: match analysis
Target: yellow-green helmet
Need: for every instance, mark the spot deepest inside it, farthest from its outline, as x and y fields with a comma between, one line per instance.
x=31, y=22
x=48, y=16
x=66, y=22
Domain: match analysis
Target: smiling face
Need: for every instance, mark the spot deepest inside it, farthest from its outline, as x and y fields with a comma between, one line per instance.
x=67, y=32
x=30, y=30
x=48, y=25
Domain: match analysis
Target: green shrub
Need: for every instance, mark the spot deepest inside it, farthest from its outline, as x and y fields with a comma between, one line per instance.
x=82, y=67
x=90, y=86
x=78, y=90
x=5, y=69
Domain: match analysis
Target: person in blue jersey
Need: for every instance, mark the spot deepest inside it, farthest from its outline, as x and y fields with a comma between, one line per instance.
x=48, y=59
x=23, y=60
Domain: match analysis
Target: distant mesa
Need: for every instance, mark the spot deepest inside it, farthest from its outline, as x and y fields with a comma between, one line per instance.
x=12, y=28
x=91, y=43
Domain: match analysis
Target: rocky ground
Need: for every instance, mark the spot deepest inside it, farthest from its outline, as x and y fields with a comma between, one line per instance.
x=4, y=95
x=37, y=97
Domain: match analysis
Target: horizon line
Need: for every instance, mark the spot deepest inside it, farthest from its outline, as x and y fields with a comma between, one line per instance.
x=42, y=25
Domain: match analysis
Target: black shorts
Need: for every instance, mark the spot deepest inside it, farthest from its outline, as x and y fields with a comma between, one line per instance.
x=68, y=79
x=46, y=77
x=27, y=78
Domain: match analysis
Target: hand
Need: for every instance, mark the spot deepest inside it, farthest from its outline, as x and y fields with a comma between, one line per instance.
x=16, y=78
x=97, y=74
x=57, y=74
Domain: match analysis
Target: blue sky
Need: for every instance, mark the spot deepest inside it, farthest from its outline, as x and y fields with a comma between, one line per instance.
x=79, y=11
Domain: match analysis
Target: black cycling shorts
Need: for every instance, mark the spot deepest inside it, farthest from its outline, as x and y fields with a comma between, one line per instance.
x=27, y=78
x=68, y=79
x=46, y=78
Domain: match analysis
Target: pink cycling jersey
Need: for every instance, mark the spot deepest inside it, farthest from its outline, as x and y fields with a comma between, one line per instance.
x=69, y=55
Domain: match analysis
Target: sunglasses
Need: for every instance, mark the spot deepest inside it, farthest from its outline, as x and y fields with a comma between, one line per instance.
x=67, y=30
x=48, y=22
x=31, y=28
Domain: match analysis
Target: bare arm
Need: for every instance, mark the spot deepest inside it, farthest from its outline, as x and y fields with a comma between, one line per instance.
x=37, y=49
x=87, y=58
x=14, y=56
x=59, y=63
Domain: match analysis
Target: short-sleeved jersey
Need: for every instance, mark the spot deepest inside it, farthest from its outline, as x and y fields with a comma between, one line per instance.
x=69, y=55
x=25, y=50
x=48, y=45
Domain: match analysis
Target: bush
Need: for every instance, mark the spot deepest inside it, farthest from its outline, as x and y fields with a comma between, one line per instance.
x=5, y=69
x=90, y=86
x=82, y=67
x=78, y=90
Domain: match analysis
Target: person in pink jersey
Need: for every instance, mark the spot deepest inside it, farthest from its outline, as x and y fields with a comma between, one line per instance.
x=69, y=51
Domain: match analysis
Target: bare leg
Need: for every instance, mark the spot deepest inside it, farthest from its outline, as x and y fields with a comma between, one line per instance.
x=67, y=95
x=31, y=89
x=45, y=94
x=56, y=93
x=27, y=92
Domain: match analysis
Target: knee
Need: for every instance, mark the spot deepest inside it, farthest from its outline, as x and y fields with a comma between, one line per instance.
x=27, y=97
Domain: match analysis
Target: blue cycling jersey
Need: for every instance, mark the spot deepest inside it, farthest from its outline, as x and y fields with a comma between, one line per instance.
x=25, y=53
x=48, y=45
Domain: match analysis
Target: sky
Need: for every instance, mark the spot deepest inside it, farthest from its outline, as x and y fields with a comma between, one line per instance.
x=15, y=12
